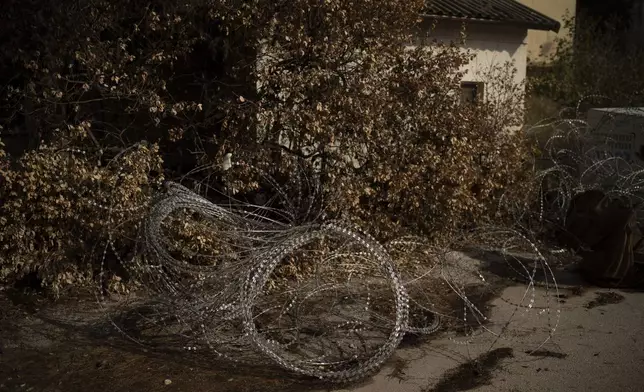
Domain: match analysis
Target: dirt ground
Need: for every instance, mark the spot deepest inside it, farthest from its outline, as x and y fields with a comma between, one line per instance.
x=68, y=346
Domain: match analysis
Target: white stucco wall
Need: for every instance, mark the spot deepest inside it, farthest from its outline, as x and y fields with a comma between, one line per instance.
x=489, y=43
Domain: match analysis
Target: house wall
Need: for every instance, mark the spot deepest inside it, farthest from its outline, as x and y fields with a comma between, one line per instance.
x=489, y=43
x=542, y=44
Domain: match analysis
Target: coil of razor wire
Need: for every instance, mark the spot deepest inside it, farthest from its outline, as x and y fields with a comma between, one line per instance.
x=238, y=284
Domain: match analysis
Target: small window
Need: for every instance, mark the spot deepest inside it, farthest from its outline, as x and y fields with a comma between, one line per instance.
x=471, y=92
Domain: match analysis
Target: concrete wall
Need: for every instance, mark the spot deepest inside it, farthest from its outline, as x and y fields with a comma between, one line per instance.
x=541, y=44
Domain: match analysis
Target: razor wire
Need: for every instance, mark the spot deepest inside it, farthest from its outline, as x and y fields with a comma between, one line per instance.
x=321, y=298
x=221, y=299
x=344, y=316
x=579, y=159
x=230, y=304
x=340, y=320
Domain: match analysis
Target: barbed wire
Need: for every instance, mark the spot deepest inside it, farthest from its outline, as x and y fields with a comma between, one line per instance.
x=338, y=317
x=582, y=157
x=283, y=285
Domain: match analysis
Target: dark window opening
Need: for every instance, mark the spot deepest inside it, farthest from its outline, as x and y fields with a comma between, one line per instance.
x=471, y=92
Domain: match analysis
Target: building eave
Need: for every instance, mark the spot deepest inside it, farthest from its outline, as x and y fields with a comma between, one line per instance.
x=554, y=27
x=507, y=12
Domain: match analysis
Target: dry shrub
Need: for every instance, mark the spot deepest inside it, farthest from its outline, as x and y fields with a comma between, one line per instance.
x=395, y=148
x=197, y=240
x=333, y=83
x=60, y=208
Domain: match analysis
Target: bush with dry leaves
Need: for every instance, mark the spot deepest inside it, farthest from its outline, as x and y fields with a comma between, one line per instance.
x=61, y=210
x=331, y=82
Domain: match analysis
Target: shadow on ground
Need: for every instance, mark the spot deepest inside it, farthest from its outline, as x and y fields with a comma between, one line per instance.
x=472, y=374
x=70, y=347
x=518, y=267
x=605, y=298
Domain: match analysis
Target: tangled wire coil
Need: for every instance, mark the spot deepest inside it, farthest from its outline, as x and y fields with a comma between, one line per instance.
x=240, y=285
x=346, y=304
x=245, y=308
